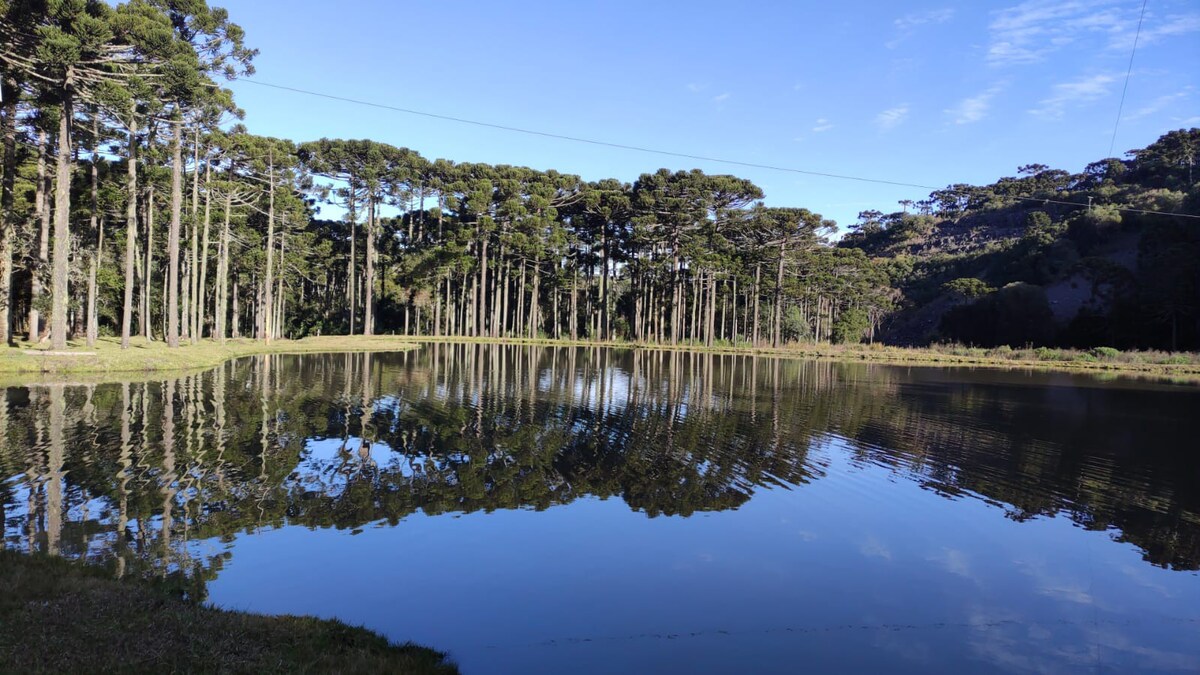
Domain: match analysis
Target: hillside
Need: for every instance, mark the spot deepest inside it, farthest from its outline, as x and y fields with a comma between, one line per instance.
x=1026, y=260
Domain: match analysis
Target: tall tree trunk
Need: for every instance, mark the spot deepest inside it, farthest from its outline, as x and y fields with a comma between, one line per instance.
x=130, y=229
x=710, y=324
x=351, y=271
x=148, y=281
x=194, y=305
x=223, y=273
x=202, y=283
x=757, y=298
x=369, y=282
x=42, y=215
x=776, y=331
x=481, y=306
x=268, y=294
x=97, y=231
x=574, y=319
x=173, y=233
x=279, y=290
x=8, y=140
x=62, y=223
x=236, y=315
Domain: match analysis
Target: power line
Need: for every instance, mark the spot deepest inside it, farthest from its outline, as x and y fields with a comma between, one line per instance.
x=590, y=141
x=1121, y=107
x=669, y=153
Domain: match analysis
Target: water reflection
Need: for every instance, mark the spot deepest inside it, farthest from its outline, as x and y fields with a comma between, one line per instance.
x=154, y=476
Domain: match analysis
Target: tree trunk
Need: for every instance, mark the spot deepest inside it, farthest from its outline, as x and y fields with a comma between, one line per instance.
x=8, y=138
x=130, y=230
x=776, y=334
x=194, y=305
x=42, y=215
x=97, y=231
x=351, y=272
x=148, y=285
x=757, y=297
x=369, y=282
x=62, y=224
x=268, y=294
x=222, y=288
x=236, y=316
x=173, y=234
x=202, y=284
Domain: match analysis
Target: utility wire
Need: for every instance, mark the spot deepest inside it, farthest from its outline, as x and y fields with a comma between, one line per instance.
x=590, y=141
x=1129, y=71
x=669, y=153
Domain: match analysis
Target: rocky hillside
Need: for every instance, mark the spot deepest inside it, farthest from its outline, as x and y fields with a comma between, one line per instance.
x=1108, y=256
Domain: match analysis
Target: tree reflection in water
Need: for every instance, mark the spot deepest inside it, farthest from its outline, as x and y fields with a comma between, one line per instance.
x=153, y=477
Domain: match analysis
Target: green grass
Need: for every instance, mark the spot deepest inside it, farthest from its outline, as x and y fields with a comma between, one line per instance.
x=142, y=356
x=57, y=616
x=1176, y=366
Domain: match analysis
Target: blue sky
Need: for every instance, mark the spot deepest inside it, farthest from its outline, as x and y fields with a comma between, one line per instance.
x=925, y=93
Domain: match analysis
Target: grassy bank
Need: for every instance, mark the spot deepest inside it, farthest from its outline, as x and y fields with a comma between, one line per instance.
x=142, y=356
x=108, y=357
x=57, y=616
x=1180, y=366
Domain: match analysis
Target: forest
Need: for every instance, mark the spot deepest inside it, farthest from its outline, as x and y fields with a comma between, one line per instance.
x=135, y=204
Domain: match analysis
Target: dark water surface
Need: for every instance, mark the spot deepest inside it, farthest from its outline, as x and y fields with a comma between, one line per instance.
x=549, y=510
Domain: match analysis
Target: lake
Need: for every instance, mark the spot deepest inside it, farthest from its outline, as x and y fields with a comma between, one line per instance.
x=588, y=510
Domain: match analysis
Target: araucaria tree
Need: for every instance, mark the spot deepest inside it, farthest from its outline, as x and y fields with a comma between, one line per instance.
x=113, y=124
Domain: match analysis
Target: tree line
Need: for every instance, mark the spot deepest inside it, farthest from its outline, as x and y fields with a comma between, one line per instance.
x=114, y=125
x=135, y=203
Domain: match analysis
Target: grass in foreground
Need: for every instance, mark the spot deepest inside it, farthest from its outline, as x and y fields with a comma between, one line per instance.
x=58, y=616
x=108, y=357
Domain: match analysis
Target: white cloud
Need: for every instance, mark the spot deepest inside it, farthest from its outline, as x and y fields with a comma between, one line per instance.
x=722, y=97
x=1158, y=104
x=1029, y=32
x=696, y=88
x=822, y=125
x=974, y=108
x=910, y=21
x=890, y=118
x=1171, y=25
x=1191, y=121
x=1073, y=94
x=907, y=24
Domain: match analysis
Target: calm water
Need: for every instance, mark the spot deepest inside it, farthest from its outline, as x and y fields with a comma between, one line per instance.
x=534, y=509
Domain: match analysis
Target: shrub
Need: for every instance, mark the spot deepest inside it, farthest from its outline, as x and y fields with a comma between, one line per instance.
x=1048, y=354
x=1106, y=353
x=850, y=326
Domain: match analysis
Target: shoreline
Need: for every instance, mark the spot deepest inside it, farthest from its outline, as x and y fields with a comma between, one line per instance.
x=58, y=615
x=106, y=358
x=933, y=357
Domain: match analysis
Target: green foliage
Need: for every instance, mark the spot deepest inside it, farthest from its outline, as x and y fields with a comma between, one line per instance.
x=967, y=288
x=850, y=326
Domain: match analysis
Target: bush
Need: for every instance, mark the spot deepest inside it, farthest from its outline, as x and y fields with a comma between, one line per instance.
x=1048, y=354
x=967, y=288
x=1106, y=353
x=850, y=326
